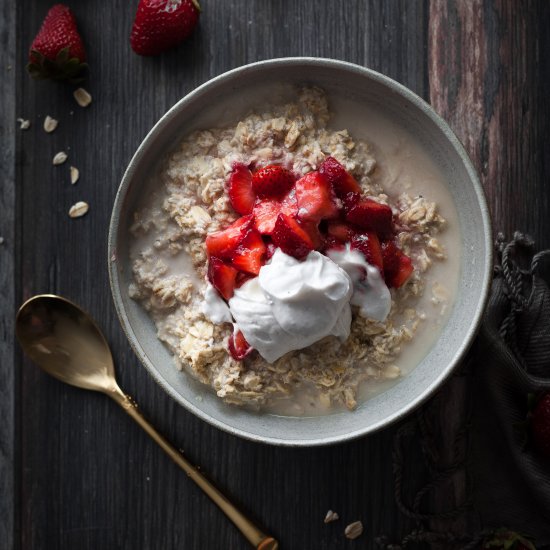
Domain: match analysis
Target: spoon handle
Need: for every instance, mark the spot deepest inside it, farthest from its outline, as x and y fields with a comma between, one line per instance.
x=255, y=536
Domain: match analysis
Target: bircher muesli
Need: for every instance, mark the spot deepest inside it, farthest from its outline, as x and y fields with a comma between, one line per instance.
x=288, y=267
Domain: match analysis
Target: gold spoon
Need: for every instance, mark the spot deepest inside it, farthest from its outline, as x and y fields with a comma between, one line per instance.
x=65, y=342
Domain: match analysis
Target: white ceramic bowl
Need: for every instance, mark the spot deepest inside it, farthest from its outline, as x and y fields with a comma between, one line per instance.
x=230, y=95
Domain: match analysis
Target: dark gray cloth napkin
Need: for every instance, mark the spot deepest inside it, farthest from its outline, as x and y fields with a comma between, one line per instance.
x=507, y=481
x=510, y=360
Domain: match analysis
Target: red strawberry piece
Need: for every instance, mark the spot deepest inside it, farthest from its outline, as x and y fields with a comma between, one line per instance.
x=341, y=180
x=57, y=52
x=272, y=181
x=266, y=212
x=160, y=25
x=397, y=266
x=505, y=539
x=291, y=237
x=340, y=231
x=249, y=253
x=350, y=200
x=223, y=244
x=239, y=348
x=540, y=425
x=312, y=229
x=242, y=277
x=315, y=198
x=371, y=215
x=332, y=243
x=269, y=250
x=368, y=244
x=239, y=189
x=289, y=204
x=265, y=215
x=222, y=276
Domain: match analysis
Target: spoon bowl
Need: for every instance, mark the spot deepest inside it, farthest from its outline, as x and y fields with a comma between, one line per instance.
x=65, y=342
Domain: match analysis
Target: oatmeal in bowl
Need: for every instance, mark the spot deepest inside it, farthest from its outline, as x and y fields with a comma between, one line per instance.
x=297, y=258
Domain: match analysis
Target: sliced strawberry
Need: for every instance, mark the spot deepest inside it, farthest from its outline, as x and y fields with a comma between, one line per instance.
x=397, y=266
x=291, y=238
x=340, y=231
x=315, y=198
x=265, y=215
x=272, y=181
x=332, y=243
x=269, y=250
x=239, y=348
x=223, y=244
x=242, y=277
x=266, y=212
x=289, y=204
x=240, y=191
x=341, y=180
x=222, y=277
x=368, y=244
x=371, y=215
x=249, y=253
x=312, y=229
x=350, y=200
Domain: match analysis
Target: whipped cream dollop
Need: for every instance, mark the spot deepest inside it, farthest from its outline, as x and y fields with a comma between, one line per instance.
x=215, y=307
x=293, y=304
x=370, y=292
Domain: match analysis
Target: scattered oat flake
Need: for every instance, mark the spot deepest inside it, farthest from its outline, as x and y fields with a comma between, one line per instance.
x=59, y=158
x=79, y=209
x=50, y=124
x=331, y=516
x=113, y=257
x=82, y=97
x=24, y=124
x=1, y=240
x=353, y=530
x=75, y=174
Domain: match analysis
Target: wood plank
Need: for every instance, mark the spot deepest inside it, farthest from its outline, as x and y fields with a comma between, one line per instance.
x=489, y=78
x=8, y=385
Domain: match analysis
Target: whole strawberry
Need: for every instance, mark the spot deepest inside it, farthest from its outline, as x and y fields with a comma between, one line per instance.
x=540, y=424
x=162, y=24
x=504, y=539
x=57, y=52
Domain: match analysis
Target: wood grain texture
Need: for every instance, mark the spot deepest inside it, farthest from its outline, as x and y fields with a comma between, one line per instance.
x=86, y=477
x=8, y=386
x=489, y=78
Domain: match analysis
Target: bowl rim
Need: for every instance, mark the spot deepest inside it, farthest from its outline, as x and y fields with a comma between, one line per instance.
x=408, y=95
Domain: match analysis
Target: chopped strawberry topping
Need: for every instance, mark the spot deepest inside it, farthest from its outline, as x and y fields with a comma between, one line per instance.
x=240, y=191
x=249, y=253
x=315, y=198
x=371, y=215
x=222, y=244
x=239, y=348
x=340, y=231
x=269, y=250
x=342, y=181
x=332, y=243
x=265, y=215
x=349, y=200
x=272, y=181
x=242, y=277
x=222, y=277
x=291, y=238
x=369, y=245
x=266, y=212
x=397, y=266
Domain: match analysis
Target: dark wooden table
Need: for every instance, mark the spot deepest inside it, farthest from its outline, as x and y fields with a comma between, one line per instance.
x=75, y=473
